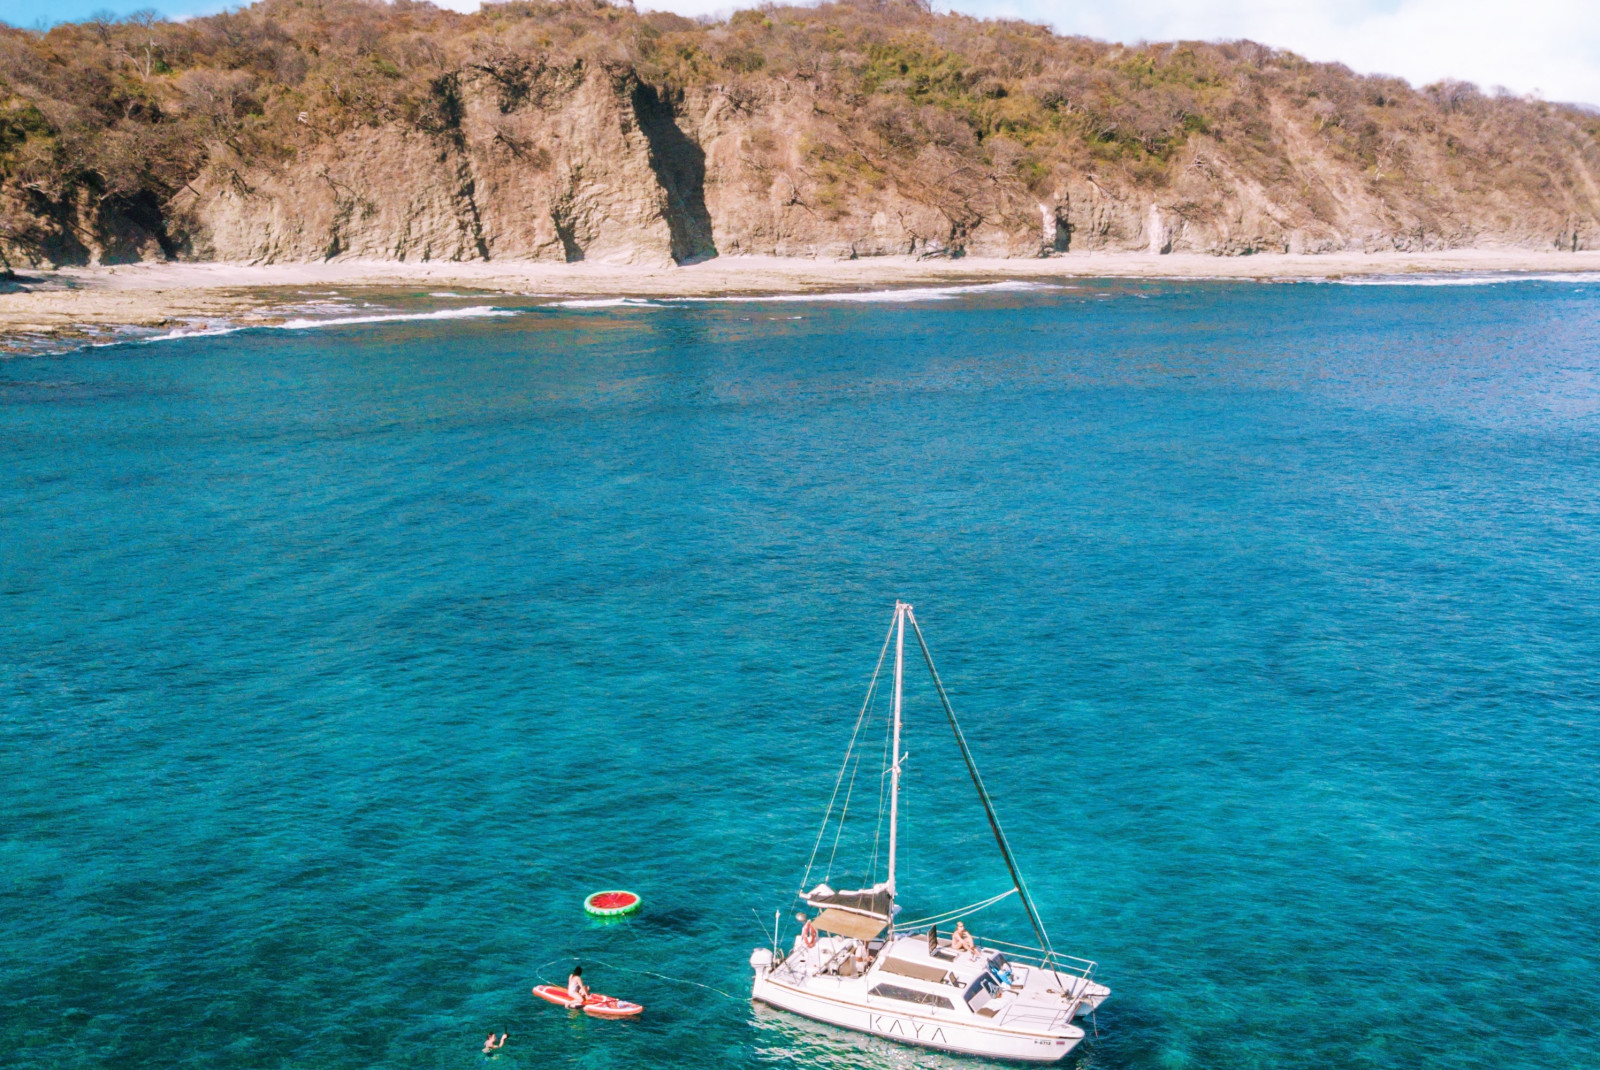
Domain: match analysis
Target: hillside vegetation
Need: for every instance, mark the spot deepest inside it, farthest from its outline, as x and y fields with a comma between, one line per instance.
x=306, y=129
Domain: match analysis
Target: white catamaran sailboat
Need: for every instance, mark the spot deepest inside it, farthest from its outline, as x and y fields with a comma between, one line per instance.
x=854, y=966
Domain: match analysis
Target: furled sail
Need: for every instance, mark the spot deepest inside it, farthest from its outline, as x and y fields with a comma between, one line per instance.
x=874, y=902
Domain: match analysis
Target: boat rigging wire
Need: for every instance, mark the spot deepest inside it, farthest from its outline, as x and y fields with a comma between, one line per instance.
x=883, y=786
x=761, y=922
x=843, y=813
x=860, y=718
x=983, y=794
x=958, y=912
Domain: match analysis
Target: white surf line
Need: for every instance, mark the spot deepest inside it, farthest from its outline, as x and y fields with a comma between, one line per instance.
x=604, y=302
x=188, y=332
x=890, y=296
x=1495, y=279
x=475, y=312
x=309, y=323
x=886, y=296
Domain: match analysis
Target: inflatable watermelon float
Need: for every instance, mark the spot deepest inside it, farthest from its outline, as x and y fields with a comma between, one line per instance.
x=612, y=904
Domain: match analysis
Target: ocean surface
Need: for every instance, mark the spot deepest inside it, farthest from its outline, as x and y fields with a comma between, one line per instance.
x=338, y=664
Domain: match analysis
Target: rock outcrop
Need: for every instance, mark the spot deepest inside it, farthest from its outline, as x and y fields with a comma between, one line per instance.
x=578, y=165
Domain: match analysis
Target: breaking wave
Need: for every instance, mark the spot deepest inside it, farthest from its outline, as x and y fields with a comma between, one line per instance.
x=892, y=296
x=605, y=302
x=307, y=323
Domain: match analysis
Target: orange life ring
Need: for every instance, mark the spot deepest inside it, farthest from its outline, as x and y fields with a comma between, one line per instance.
x=809, y=934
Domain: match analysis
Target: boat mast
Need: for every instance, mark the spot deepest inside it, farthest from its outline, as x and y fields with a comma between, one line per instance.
x=900, y=609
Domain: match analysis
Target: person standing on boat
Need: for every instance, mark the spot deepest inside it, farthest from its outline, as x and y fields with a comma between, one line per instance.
x=961, y=942
x=576, y=988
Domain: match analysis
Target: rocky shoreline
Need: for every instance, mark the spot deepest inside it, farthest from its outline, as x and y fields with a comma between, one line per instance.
x=51, y=310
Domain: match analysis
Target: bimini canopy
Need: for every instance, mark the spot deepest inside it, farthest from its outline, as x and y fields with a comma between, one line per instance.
x=875, y=902
x=846, y=923
x=860, y=914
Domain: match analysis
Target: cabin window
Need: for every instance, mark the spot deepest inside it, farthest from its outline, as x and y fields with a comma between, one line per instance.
x=911, y=995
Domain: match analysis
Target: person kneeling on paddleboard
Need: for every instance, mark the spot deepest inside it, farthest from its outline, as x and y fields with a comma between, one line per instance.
x=576, y=988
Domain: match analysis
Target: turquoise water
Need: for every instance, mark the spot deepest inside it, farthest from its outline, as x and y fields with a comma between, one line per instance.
x=337, y=666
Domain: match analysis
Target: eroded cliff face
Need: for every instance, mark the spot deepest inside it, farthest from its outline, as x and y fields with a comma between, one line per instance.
x=530, y=162
x=526, y=162
x=785, y=177
x=770, y=190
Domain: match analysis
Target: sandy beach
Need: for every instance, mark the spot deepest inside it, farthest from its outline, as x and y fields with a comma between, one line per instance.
x=43, y=309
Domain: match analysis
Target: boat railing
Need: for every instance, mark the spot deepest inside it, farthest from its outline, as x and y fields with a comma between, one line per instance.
x=1047, y=960
x=1033, y=1016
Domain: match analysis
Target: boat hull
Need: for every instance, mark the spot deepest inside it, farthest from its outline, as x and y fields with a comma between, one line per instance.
x=894, y=1023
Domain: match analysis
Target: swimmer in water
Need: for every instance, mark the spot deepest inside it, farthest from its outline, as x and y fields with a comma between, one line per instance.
x=576, y=988
x=492, y=1045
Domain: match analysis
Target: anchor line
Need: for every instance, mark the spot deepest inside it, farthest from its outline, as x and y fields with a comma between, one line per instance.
x=538, y=971
x=665, y=977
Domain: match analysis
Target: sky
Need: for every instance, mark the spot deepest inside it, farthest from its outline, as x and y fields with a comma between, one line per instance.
x=1550, y=48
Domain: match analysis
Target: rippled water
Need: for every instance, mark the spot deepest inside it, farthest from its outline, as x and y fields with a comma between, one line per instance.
x=337, y=666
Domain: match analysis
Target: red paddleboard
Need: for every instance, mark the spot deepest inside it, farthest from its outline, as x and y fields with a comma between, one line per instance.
x=610, y=1007
x=597, y=1005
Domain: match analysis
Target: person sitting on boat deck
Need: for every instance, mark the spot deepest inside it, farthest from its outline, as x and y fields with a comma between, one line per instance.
x=961, y=942
x=854, y=963
x=492, y=1045
x=576, y=988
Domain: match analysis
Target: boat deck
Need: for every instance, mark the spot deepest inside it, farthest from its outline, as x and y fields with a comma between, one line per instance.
x=939, y=983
